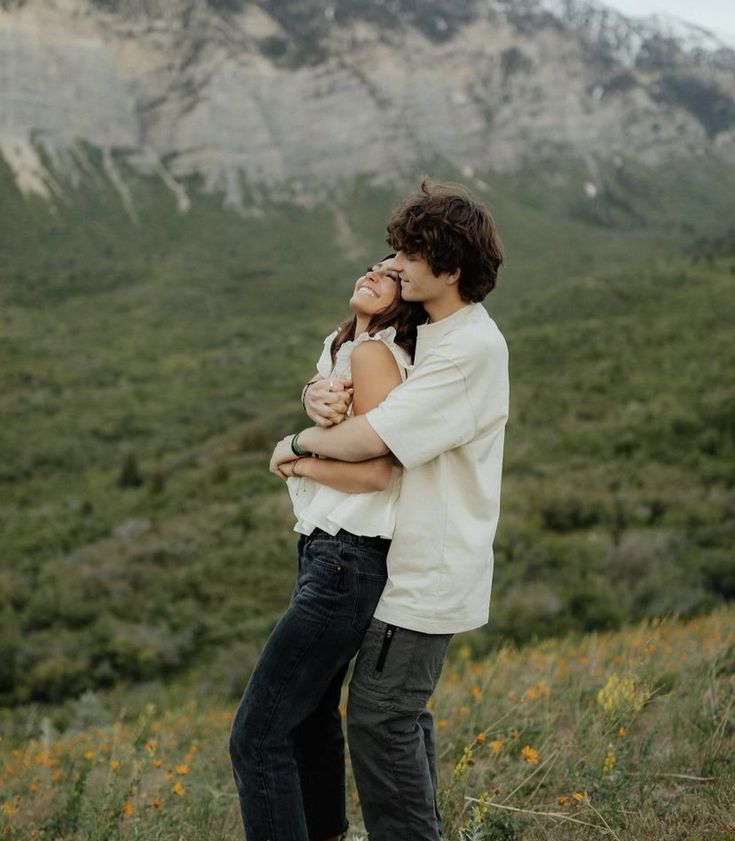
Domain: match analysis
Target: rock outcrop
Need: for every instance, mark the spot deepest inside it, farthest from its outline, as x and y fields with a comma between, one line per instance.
x=251, y=95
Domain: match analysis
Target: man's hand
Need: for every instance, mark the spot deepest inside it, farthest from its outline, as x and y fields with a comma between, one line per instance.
x=327, y=401
x=282, y=454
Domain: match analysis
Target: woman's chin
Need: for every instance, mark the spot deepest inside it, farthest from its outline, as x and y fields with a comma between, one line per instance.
x=359, y=307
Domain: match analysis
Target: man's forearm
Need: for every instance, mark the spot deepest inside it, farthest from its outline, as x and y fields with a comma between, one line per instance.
x=353, y=440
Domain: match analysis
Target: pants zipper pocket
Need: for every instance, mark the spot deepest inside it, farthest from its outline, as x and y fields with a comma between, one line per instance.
x=387, y=638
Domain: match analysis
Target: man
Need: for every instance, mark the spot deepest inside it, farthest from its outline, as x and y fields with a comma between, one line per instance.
x=445, y=425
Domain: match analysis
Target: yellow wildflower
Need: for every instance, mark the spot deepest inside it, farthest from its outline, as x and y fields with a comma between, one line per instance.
x=620, y=694
x=621, y=732
x=33, y=788
x=480, y=738
x=464, y=761
x=8, y=809
x=150, y=745
x=608, y=763
x=578, y=796
x=476, y=693
x=114, y=764
x=442, y=723
x=156, y=803
x=178, y=789
x=89, y=754
x=496, y=746
x=564, y=800
x=56, y=776
x=128, y=808
x=156, y=763
x=182, y=770
x=529, y=755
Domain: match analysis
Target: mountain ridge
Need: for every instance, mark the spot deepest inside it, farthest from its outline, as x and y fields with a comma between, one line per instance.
x=249, y=96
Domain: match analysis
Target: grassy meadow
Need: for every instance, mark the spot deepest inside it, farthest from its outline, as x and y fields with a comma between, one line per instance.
x=147, y=364
x=626, y=735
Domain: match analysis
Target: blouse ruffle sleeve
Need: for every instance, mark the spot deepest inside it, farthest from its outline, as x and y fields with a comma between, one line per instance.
x=342, y=362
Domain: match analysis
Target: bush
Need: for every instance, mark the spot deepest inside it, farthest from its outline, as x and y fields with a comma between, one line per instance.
x=129, y=474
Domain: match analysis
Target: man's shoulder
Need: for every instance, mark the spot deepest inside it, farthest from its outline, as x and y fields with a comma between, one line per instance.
x=475, y=340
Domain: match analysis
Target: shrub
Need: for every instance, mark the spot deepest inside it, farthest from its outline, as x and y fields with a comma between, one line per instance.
x=129, y=474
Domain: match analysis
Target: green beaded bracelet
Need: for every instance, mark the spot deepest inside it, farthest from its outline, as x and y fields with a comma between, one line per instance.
x=295, y=449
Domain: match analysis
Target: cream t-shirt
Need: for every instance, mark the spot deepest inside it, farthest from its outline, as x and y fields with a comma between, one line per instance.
x=445, y=425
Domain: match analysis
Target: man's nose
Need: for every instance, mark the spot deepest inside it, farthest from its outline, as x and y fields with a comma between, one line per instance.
x=398, y=261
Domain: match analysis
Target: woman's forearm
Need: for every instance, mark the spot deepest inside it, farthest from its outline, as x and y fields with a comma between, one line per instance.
x=348, y=477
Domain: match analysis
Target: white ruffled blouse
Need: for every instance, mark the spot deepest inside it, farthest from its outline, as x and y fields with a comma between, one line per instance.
x=318, y=506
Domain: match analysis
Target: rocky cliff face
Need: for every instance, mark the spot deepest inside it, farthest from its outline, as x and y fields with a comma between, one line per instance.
x=279, y=92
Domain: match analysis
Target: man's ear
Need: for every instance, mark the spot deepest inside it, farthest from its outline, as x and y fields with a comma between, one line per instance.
x=453, y=277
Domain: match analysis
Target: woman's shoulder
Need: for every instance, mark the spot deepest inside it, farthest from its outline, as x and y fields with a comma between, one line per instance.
x=379, y=344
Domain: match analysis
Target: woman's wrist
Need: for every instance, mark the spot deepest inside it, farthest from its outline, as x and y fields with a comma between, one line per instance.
x=296, y=449
x=302, y=471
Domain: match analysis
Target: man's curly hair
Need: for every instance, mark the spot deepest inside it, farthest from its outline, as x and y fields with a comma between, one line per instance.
x=446, y=226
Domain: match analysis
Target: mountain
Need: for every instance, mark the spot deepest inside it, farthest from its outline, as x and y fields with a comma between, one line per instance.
x=295, y=96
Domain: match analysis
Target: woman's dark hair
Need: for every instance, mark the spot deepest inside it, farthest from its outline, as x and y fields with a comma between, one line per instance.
x=446, y=226
x=405, y=316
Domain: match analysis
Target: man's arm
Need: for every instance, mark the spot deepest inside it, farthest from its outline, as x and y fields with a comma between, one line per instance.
x=427, y=415
x=352, y=440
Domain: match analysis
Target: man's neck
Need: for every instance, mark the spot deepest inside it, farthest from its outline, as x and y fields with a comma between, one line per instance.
x=439, y=310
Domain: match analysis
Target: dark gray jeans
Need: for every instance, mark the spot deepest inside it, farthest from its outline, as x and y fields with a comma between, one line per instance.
x=286, y=743
x=391, y=732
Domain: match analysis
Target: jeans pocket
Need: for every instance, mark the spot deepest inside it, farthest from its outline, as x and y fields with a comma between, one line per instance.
x=426, y=664
x=321, y=581
x=324, y=552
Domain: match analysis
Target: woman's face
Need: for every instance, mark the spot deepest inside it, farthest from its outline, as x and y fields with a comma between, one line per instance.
x=376, y=290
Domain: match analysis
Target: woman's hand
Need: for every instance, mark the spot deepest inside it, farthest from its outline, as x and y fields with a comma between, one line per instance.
x=327, y=401
x=289, y=468
x=283, y=458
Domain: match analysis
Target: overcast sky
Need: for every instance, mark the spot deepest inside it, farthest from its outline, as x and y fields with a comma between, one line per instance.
x=715, y=15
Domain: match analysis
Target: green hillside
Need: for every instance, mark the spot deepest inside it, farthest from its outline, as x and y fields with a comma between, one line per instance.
x=146, y=366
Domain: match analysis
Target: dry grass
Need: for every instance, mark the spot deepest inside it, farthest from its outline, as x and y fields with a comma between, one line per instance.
x=628, y=735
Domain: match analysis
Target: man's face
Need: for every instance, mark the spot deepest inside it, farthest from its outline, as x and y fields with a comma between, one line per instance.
x=418, y=282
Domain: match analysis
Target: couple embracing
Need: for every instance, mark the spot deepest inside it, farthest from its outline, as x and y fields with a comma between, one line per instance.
x=396, y=491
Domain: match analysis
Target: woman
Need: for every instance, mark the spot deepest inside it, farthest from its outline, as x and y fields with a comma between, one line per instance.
x=286, y=744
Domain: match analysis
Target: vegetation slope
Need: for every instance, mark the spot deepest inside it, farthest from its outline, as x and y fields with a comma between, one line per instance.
x=147, y=365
